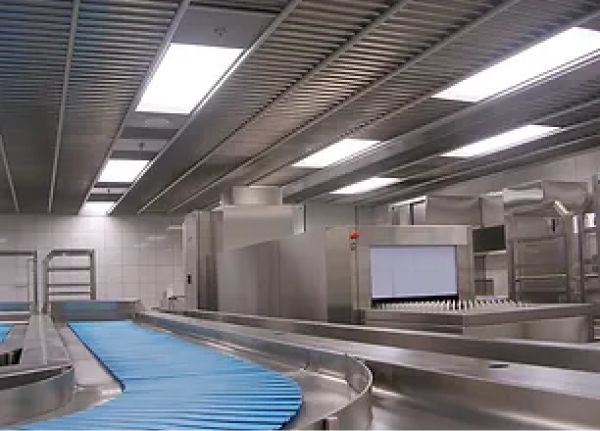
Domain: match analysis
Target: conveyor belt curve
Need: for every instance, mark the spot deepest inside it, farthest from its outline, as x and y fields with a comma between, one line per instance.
x=169, y=383
x=4, y=330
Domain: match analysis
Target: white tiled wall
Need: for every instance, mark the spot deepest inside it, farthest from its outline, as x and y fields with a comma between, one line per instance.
x=135, y=256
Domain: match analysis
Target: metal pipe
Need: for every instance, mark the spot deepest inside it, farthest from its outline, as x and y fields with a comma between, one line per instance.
x=36, y=299
x=561, y=209
x=63, y=100
x=46, y=286
x=596, y=208
x=255, y=45
x=9, y=178
x=580, y=237
x=92, y=275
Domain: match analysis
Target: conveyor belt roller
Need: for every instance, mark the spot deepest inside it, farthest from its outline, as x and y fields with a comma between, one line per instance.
x=169, y=383
x=4, y=330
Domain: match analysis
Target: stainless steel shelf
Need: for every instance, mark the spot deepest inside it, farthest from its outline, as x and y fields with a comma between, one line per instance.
x=69, y=268
x=70, y=293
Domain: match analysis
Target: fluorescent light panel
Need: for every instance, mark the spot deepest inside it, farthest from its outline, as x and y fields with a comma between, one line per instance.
x=410, y=201
x=185, y=75
x=335, y=152
x=503, y=141
x=565, y=49
x=122, y=170
x=96, y=208
x=367, y=185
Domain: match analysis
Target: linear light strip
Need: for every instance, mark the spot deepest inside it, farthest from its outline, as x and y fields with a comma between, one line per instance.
x=96, y=208
x=122, y=170
x=502, y=141
x=565, y=49
x=367, y=185
x=334, y=153
x=185, y=75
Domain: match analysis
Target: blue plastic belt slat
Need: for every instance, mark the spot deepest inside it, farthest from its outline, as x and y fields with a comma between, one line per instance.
x=4, y=330
x=173, y=384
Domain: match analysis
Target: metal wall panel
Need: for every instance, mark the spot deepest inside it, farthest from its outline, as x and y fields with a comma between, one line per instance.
x=239, y=226
x=248, y=279
x=452, y=210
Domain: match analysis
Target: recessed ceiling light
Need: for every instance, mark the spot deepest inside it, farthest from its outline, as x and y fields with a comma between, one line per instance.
x=335, y=152
x=185, y=75
x=96, y=208
x=567, y=48
x=122, y=170
x=366, y=185
x=503, y=141
x=410, y=201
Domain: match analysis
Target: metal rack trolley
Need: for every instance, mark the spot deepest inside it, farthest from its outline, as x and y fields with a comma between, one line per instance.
x=73, y=288
x=32, y=294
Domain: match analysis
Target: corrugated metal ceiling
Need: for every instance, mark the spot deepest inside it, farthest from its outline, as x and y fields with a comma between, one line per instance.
x=328, y=69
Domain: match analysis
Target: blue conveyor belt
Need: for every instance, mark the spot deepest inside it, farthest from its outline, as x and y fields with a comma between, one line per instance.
x=173, y=384
x=4, y=330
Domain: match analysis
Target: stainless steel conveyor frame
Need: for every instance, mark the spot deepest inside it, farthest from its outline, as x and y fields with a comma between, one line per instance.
x=43, y=379
x=537, y=385
x=539, y=396
x=575, y=356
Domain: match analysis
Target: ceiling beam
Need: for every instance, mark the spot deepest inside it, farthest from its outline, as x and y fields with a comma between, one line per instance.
x=480, y=170
x=236, y=10
x=391, y=10
x=289, y=8
x=162, y=50
x=348, y=101
x=63, y=100
x=398, y=111
x=8, y=174
x=403, y=142
x=383, y=196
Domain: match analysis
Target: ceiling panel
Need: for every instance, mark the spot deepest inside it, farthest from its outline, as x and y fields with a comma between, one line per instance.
x=291, y=51
x=33, y=41
x=575, y=110
x=330, y=69
x=115, y=44
x=361, y=93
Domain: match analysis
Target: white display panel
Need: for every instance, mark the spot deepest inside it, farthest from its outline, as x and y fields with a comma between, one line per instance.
x=413, y=271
